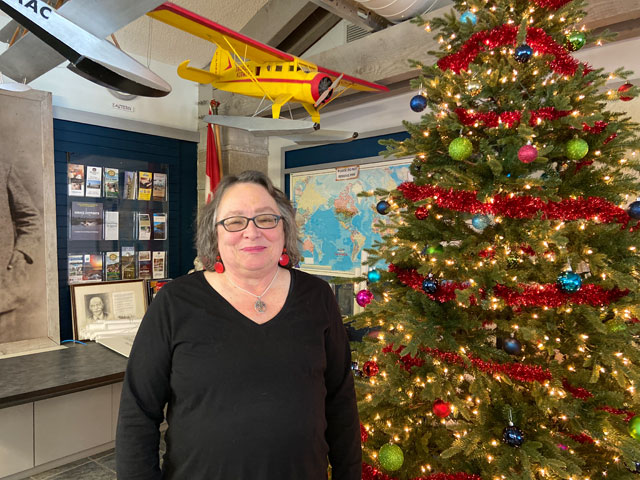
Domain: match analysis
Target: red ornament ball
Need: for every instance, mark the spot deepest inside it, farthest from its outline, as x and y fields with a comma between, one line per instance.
x=527, y=153
x=441, y=409
x=421, y=213
x=364, y=435
x=623, y=88
x=370, y=368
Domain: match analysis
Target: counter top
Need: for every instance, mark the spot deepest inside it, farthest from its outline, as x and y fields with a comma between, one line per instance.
x=28, y=378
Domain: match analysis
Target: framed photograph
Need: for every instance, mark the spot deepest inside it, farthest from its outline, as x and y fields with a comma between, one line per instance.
x=97, y=306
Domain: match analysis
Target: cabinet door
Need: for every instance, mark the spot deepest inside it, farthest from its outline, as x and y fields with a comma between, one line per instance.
x=16, y=439
x=72, y=423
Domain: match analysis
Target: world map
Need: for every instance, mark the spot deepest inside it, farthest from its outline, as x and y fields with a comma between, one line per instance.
x=336, y=224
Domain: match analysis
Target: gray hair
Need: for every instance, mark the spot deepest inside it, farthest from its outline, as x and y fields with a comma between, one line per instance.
x=207, y=233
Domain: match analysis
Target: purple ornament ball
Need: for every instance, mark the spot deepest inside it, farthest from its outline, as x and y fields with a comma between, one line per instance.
x=364, y=297
x=527, y=153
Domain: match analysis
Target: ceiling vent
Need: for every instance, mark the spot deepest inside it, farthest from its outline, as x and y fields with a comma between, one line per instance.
x=354, y=32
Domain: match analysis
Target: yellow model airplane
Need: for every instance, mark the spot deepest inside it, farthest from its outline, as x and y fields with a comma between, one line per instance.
x=247, y=67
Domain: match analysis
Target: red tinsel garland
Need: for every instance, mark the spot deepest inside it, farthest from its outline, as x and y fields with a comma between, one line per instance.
x=537, y=39
x=372, y=473
x=551, y=4
x=520, y=206
x=577, y=392
x=511, y=119
x=628, y=415
x=541, y=295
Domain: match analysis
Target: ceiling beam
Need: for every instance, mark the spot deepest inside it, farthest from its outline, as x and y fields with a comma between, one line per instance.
x=382, y=56
x=355, y=13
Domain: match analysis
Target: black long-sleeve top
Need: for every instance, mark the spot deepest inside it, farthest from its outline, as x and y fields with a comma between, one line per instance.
x=245, y=401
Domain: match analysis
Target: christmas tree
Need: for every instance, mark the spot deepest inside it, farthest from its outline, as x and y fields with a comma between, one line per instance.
x=505, y=318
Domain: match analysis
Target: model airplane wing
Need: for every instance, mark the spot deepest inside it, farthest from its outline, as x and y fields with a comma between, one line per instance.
x=264, y=127
x=76, y=33
x=241, y=45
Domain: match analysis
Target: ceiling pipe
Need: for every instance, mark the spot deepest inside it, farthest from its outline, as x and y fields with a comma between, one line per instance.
x=397, y=11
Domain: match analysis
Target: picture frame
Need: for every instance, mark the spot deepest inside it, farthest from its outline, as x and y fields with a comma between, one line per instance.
x=95, y=305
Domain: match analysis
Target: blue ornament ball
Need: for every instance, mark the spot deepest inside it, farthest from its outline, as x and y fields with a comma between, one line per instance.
x=383, y=207
x=512, y=346
x=634, y=210
x=468, y=16
x=513, y=436
x=429, y=285
x=373, y=276
x=480, y=222
x=523, y=53
x=418, y=103
x=569, y=281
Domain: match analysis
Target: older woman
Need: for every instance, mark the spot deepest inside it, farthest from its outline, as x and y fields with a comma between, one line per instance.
x=250, y=356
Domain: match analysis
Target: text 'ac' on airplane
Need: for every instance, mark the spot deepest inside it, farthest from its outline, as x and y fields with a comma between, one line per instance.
x=76, y=32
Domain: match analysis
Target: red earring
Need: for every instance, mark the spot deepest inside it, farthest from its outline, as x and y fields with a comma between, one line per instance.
x=218, y=266
x=284, y=258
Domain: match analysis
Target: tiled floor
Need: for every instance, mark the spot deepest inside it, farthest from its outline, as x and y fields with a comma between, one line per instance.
x=96, y=467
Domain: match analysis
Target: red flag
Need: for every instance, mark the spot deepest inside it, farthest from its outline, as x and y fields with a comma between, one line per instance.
x=212, y=170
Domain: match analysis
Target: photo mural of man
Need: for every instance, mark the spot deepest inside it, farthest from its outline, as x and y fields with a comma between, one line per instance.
x=20, y=237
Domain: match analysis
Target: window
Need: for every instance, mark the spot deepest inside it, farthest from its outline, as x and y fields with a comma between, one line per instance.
x=278, y=68
x=257, y=71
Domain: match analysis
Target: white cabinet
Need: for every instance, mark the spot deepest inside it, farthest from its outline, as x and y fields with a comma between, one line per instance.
x=72, y=423
x=16, y=439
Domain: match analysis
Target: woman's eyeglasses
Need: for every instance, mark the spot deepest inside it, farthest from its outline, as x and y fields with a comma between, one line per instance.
x=265, y=221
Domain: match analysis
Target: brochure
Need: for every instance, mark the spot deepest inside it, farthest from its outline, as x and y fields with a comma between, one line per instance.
x=144, y=226
x=111, y=183
x=86, y=221
x=111, y=225
x=94, y=182
x=144, y=264
x=160, y=187
x=92, y=267
x=75, y=179
x=130, y=186
x=145, y=185
x=112, y=265
x=128, y=261
x=75, y=263
x=159, y=267
x=159, y=226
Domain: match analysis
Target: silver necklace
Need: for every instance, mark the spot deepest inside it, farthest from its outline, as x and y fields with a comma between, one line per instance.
x=260, y=306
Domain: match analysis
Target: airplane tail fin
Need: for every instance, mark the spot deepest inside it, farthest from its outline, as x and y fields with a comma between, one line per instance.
x=195, y=74
x=222, y=62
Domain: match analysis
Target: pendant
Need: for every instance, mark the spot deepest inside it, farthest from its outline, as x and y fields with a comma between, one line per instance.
x=260, y=306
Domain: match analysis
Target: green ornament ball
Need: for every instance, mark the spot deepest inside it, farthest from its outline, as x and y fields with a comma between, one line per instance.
x=634, y=427
x=576, y=40
x=576, y=149
x=460, y=149
x=391, y=457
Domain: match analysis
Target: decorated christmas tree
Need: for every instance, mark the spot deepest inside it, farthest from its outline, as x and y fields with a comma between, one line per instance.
x=504, y=321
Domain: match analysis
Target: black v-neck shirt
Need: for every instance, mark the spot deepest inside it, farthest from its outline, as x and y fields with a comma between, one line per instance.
x=246, y=401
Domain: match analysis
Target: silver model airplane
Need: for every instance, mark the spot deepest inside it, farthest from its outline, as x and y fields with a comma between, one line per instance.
x=76, y=32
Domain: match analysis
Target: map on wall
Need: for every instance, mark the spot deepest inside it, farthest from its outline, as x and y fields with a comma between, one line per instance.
x=336, y=225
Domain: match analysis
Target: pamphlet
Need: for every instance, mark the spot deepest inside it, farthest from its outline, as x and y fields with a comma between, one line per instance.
x=130, y=186
x=94, y=182
x=160, y=187
x=159, y=226
x=128, y=260
x=92, y=267
x=144, y=264
x=144, y=226
x=75, y=263
x=145, y=185
x=111, y=183
x=86, y=221
x=159, y=267
x=111, y=225
x=75, y=179
x=112, y=265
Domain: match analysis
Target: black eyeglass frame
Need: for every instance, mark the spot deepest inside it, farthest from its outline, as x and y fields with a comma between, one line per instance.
x=250, y=219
